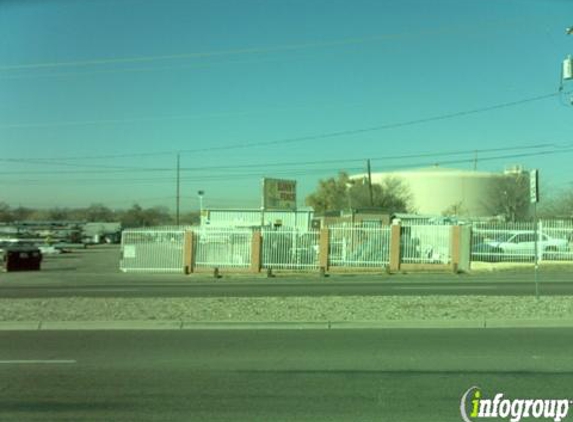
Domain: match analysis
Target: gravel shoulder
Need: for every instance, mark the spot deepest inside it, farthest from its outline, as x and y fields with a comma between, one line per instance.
x=288, y=309
x=101, y=263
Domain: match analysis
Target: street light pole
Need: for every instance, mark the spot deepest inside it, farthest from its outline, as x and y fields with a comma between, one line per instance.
x=567, y=69
x=201, y=193
x=178, y=189
x=534, y=199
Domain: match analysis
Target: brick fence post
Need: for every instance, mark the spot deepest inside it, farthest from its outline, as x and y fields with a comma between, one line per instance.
x=324, y=246
x=455, y=247
x=188, y=256
x=395, y=258
x=256, y=252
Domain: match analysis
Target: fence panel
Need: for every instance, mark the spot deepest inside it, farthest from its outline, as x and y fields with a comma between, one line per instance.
x=290, y=249
x=509, y=242
x=223, y=247
x=425, y=244
x=152, y=251
x=557, y=240
x=359, y=246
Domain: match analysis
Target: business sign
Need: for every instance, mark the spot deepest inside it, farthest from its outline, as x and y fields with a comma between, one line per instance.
x=534, y=186
x=279, y=194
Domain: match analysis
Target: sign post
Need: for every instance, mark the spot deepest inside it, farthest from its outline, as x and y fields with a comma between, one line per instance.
x=534, y=199
x=278, y=194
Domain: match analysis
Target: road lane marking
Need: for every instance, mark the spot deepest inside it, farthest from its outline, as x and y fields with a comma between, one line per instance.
x=444, y=287
x=37, y=362
x=111, y=289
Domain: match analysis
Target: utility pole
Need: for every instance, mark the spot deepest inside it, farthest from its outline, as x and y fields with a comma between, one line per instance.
x=534, y=199
x=177, y=194
x=567, y=69
x=475, y=160
x=370, y=183
x=200, y=194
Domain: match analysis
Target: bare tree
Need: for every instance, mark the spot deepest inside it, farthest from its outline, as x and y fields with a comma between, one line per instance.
x=456, y=209
x=559, y=204
x=510, y=198
x=5, y=213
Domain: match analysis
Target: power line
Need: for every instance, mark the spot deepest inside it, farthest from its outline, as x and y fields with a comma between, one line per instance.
x=170, y=180
x=137, y=119
x=263, y=50
x=40, y=161
x=273, y=165
x=226, y=177
x=495, y=158
x=139, y=69
x=305, y=138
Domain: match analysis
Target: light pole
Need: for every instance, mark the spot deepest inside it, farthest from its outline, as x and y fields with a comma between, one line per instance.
x=349, y=185
x=567, y=69
x=201, y=193
x=178, y=189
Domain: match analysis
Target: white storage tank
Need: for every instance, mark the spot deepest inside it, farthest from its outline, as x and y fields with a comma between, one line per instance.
x=568, y=68
x=437, y=189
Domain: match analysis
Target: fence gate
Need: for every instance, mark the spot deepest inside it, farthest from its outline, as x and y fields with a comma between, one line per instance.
x=425, y=244
x=359, y=246
x=223, y=247
x=290, y=249
x=152, y=251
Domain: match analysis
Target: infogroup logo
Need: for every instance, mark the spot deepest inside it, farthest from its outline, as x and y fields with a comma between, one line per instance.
x=475, y=407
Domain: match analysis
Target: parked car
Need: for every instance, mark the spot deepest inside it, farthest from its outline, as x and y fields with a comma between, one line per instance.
x=519, y=244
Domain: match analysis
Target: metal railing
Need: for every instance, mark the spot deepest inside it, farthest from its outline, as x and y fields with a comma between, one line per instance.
x=163, y=249
x=152, y=250
x=560, y=233
x=359, y=246
x=515, y=242
x=425, y=244
x=223, y=247
x=290, y=249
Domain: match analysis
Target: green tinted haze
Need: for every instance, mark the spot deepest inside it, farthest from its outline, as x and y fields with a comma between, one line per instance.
x=97, y=96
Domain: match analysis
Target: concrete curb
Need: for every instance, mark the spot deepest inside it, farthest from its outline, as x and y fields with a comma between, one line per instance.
x=256, y=325
x=109, y=325
x=292, y=325
x=530, y=323
x=19, y=325
x=405, y=324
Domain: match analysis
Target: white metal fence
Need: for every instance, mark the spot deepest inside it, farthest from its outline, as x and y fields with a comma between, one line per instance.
x=425, y=244
x=515, y=242
x=359, y=246
x=162, y=249
x=223, y=247
x=290, y=249
x=152, y=250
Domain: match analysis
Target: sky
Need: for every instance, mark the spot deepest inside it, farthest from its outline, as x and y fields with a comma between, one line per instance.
x=98, y=97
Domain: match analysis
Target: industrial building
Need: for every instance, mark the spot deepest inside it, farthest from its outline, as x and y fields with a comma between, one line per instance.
x=301, y=218
x=437, y=190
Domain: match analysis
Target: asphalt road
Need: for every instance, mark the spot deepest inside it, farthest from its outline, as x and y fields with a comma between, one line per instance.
x=287, y=288
x=94, y=272
x=274, y=375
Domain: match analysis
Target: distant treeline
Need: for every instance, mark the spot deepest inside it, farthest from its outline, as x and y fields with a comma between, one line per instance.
x=136, y=216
